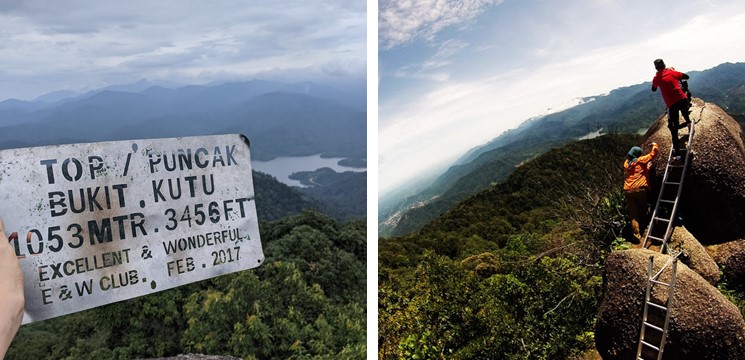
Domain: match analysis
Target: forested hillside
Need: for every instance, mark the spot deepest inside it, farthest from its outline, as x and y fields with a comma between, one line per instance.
x=625, y=110
x=275, y=200
x=512, y=272
x=306, y=301
x=341, y=195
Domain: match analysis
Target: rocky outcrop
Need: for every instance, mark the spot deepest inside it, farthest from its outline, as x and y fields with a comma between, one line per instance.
x=716, y=175
x=694, y=255
x=731, y=258
x=703, y=323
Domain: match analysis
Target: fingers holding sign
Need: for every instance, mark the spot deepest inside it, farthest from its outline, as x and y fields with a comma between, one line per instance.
x=11, y=293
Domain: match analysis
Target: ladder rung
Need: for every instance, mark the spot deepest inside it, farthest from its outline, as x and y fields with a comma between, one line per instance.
x=672, y=183
x=653, y=327
x=650, y=345
x=675, y=165
x=661, y=219
x=657, y=306
x=654, y=237
x=659, y=282
x=667, y=201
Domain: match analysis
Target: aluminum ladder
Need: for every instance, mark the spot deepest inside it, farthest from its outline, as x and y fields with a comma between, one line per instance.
x=653, y=342
x=663, y=217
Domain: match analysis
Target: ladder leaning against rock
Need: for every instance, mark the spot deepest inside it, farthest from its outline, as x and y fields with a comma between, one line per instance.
x=663, y=218
x=653, y=342
x=660, y=228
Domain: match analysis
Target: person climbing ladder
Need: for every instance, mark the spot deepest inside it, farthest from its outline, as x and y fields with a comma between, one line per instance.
x=636, y=185
x=668, y=81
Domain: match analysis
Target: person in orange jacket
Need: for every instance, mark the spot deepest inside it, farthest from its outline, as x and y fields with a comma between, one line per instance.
x=636, y=185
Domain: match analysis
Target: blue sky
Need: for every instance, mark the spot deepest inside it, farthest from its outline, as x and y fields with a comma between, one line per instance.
x=81, y=45
x=455, y=74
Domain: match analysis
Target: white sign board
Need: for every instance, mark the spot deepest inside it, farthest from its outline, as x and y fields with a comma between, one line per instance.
x=98, y=223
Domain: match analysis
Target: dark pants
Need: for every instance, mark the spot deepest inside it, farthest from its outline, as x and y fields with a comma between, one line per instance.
x=636, y=200
x=673, y=117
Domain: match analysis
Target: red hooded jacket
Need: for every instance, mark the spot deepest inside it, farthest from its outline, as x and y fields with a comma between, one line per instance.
x=668, y=80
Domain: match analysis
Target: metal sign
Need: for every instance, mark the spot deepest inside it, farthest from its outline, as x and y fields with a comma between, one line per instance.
x=98, y=223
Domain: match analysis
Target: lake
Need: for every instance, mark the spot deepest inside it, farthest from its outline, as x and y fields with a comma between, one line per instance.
x=282, y=167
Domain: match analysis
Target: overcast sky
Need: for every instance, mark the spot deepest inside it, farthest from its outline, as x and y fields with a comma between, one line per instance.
x=455, y=74
x=81, y=45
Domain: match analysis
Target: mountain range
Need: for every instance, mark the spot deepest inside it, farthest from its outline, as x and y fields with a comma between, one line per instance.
x=628, y=109
x=280, y=119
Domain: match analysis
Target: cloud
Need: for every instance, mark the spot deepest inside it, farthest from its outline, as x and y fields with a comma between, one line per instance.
x=483, y=48
x=400, y=22
x=436, y=124
x=80, y=44
x=433, y=69
x=493, y=80
x=8, y=6
x=443, y=56
x=342, y=67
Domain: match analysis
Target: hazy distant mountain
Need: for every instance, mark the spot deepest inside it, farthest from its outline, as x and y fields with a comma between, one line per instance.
x=19, y=105
x=623, y=110
x=56, y=96
x=280, y=119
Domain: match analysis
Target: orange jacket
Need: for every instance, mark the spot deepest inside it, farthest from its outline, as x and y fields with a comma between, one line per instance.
x=637, y=173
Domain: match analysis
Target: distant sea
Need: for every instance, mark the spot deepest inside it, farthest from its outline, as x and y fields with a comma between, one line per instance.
x=283, y=167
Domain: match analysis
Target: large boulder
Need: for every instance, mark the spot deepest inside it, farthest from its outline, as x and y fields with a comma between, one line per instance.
x=716, y=175
x=694, y=255
x=731, y=258
x=703, y=323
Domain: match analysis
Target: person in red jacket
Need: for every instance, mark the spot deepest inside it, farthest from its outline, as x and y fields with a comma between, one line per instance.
x=676, y=100
x=636, y=185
